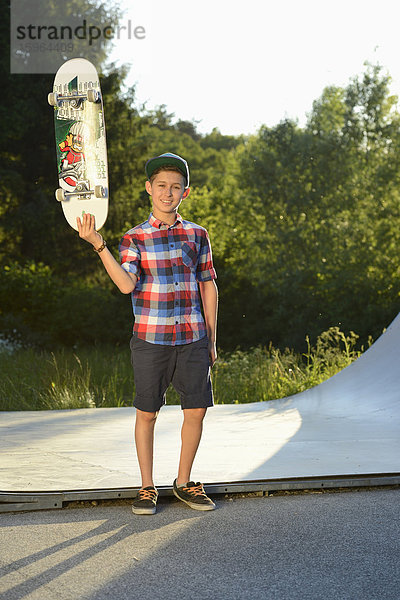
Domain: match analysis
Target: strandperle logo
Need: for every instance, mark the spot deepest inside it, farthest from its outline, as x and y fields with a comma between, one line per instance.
x=45, y=33
x=85, y=31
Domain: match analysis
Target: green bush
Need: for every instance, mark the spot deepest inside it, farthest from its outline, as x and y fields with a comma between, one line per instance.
x=40, y=308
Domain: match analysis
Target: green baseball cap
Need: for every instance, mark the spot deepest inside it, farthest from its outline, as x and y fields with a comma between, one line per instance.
x=167, y=159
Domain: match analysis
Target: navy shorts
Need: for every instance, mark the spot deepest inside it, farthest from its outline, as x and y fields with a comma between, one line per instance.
x=186, y=366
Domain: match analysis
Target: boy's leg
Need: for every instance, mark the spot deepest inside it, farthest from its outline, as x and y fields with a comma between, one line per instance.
x=188, y=491
x=192, y=381
x=144, y=440
x=192, y=428
x=151, y=371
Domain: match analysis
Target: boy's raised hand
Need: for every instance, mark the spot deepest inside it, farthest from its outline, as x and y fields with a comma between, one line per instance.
x=87, y=230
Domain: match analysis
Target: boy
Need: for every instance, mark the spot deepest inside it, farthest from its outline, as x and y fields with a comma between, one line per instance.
x=166, y=264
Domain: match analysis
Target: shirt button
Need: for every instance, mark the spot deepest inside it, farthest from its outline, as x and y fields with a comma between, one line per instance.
x=176, y=322
x=176, y=283
x=172, y=245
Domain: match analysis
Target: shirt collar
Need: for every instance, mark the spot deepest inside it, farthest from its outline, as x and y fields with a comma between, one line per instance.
x=158, y=224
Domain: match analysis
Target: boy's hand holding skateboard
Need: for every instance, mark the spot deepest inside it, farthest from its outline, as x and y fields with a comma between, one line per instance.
x=87, y=230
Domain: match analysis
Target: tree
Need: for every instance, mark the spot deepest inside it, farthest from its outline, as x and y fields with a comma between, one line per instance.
x=318, y=209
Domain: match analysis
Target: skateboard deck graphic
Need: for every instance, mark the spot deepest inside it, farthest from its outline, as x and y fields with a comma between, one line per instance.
x=80, y=142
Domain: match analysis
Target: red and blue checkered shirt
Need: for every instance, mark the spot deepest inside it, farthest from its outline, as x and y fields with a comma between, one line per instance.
x=169, y=261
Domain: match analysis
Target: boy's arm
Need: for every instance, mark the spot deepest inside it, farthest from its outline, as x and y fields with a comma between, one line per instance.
x=209, y=298
x=124, y=281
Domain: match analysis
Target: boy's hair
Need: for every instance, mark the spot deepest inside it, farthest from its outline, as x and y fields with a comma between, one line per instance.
x=166, y=168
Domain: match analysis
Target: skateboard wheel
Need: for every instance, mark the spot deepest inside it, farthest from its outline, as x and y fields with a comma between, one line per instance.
x=92, y=95
x=60, y=195
x=52, y=99
x=99, y=191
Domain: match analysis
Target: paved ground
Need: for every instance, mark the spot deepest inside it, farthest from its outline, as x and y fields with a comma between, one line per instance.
x=337, y=545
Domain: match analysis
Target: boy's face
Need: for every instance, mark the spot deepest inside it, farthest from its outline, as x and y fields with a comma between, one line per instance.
x=167, y=192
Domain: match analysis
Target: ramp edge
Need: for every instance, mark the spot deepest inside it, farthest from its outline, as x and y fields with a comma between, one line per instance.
x=32, y=501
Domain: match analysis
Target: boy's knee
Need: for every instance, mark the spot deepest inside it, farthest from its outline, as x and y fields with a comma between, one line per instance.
x=194, y=414
x=146, y=417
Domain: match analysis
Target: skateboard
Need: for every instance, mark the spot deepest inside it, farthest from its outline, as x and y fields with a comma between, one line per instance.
x=80, y=142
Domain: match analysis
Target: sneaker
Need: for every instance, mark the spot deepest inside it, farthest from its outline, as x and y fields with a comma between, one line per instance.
x=193, y=495
x=145, y=501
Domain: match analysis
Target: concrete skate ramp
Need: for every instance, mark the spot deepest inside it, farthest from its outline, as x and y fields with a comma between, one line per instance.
x=346, y=426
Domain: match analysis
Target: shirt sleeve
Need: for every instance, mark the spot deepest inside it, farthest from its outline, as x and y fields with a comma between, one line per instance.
x=205, y=268
x=129, y=255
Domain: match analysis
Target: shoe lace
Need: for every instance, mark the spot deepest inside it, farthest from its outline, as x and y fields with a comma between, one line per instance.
x=196, y=489
x=144, y=494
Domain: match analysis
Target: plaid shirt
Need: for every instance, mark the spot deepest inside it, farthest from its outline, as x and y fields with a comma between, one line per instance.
x=169, y=261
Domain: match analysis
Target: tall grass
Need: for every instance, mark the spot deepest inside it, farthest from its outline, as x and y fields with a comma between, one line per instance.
x=268, y=374
x=102, y=377
x=92, y=377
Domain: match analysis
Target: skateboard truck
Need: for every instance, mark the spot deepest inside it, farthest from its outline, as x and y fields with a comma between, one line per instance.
x=82, y=194
x=75, y=100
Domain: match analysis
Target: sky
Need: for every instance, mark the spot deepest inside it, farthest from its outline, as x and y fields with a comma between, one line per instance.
x=237, y=65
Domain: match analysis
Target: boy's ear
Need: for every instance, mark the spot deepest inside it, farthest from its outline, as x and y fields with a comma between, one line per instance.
x=186, y=193
x=148, y=187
